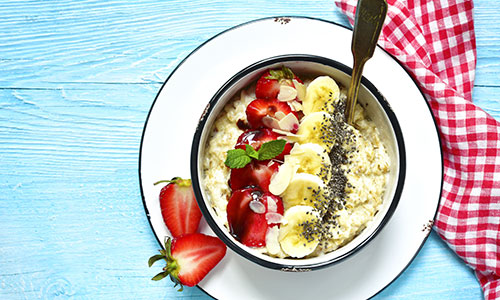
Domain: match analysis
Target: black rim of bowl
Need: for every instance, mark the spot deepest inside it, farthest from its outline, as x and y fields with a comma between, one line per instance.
x=201, y=126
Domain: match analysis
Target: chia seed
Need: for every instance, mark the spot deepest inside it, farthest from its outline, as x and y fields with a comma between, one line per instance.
x=328, y=201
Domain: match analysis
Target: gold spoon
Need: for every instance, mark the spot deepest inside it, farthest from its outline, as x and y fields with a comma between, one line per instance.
x=370, y=15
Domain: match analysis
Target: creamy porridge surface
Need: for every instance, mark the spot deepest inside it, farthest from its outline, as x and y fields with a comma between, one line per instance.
x=365, y=172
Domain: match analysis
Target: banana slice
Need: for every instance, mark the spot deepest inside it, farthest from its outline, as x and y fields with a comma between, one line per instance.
x=295, y=236
x=316, y=128
x=312, y=159
x=304, y=189
x=321, y=95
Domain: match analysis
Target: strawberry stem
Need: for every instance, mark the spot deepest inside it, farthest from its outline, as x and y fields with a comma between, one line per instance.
x=176, y=180
x=163, y=181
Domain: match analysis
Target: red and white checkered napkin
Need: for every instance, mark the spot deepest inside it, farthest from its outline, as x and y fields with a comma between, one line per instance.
x=435, y=41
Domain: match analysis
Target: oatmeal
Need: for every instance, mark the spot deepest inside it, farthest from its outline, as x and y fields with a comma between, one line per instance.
x=323, y=187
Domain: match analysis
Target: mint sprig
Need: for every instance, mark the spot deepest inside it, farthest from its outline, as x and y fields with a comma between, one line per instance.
x=239, y=158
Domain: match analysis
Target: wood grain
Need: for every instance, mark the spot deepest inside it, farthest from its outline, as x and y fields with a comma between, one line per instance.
x=77, y=79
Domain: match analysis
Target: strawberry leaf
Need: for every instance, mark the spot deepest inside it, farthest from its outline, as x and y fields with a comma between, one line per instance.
x=275, y=74
x=176, y=284
x=271, y=149
x=160, y=276
x=154, y=259
x=284, y=73
x=237, y=158
x=287, y=73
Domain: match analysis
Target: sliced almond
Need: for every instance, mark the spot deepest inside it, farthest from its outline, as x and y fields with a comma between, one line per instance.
x=272, y=244
x=273, y=218
x=301, y=90
x=279, y=115
x=285, y=133
x=296, y=149
x=281, y=179
x=270, y=122
x=287, y=93
x=289, y=123
x=257, y=207
x=271, y=204
x=296, y=105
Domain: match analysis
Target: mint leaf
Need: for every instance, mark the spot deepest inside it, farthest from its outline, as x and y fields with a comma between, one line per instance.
x=271, y=149
x=250, y=151
x=237, y=158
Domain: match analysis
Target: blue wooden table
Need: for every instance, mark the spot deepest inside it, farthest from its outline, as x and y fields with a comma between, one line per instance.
x=77, y=79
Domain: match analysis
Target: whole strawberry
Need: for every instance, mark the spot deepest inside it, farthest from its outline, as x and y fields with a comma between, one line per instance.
x=189, y=258
x=179, y=208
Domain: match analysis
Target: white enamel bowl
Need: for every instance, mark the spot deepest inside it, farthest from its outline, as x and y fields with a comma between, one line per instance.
x=377, y=109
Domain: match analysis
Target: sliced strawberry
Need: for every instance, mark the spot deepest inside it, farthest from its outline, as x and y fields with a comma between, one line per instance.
x=178, y=205
x=286, y=151
x=189, y=258
x=256, y=173
x=254, y=235
x=238, y=209
x=269, y=83
x=267, y=86
x=259, y=108
x=256, y=137
x=250, y=214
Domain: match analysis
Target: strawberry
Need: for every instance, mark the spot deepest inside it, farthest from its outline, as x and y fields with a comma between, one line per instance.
x=256, y=137
x=269, y=83
x=259, y=108
x=247, y=215
x=178, y=205
x=267, y=86
x=189, y=258
x=256, y=173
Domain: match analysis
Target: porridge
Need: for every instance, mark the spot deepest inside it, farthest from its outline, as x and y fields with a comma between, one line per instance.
x=285, y=173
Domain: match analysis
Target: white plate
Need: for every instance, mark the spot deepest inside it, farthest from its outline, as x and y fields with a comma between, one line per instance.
x=167, y=138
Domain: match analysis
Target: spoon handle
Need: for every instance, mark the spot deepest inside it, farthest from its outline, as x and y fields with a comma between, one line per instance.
x=370, y=15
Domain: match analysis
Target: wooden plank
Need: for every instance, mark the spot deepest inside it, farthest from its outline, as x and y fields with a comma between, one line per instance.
x=487, y=27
